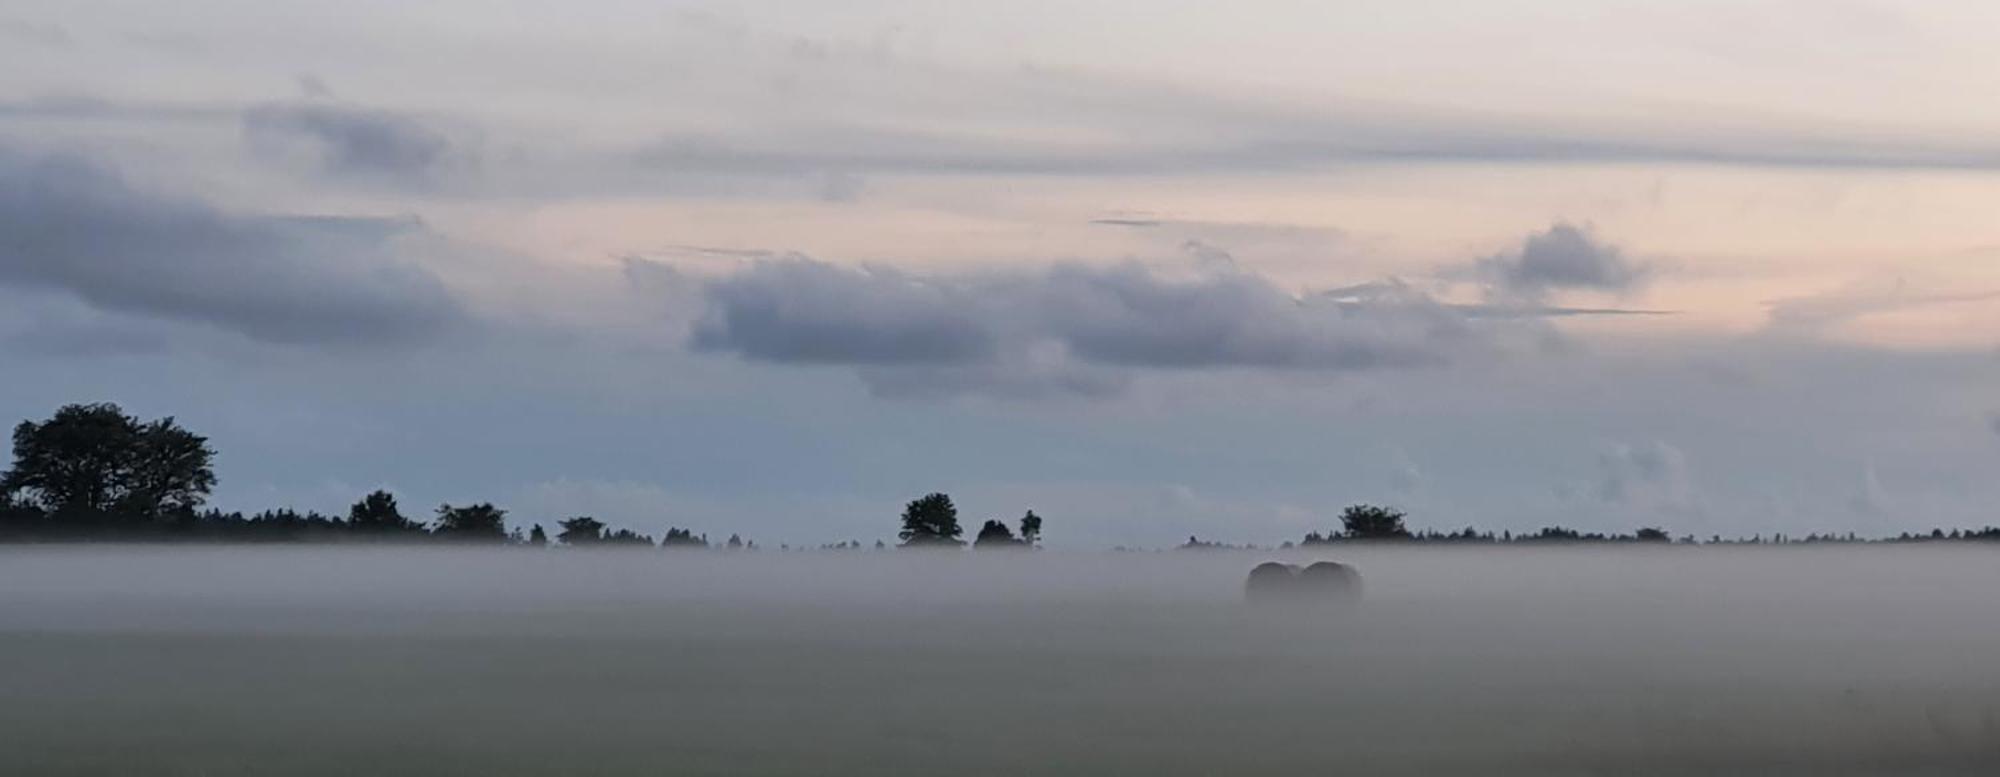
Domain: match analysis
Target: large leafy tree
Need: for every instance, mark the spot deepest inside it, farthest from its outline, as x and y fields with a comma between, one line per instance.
x=1371, y=522
x=377, y=512
x=994, y=534
x=94, y=460
x=930, y=521
x=581, y=530
x=1031, y=529
x=474, y=523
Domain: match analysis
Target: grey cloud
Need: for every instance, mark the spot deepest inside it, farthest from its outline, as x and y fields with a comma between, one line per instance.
x=803, y=311
x=67, y=224
x=1127, y=315
x=1072, y=328
x=1564, y=257
x=1993, y=422
x=350, y=141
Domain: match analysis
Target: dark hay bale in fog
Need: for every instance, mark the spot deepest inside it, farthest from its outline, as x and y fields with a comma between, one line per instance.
x=1330, y=580
x=1271, y=581
x=1322, y=582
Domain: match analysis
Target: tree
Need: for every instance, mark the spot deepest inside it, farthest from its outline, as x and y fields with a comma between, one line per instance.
x=735, y=542
x=994, y=534
x=169, y=471
x=581, y=530
x=377, y=512
x=1031, y=530
x=1371, y=522
x=931, y=521
x=1650, y=534
x=476, y=523
x=683, y=538
x=94, y=460
x=537, y=537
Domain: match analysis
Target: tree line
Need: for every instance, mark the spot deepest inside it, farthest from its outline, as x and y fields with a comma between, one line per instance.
x=1365, y=523
x=93, y=472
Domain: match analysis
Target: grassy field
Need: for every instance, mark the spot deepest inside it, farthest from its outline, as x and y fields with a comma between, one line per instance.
x=239, y=661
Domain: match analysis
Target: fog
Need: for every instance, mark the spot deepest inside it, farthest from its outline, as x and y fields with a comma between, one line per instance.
x=1653, y=660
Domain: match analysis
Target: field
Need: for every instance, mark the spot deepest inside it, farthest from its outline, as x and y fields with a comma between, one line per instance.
x=1669, y=660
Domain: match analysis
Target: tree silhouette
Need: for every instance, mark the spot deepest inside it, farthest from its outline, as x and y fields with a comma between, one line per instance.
x=1031, y=529
x=92, y=471
x=91, y=461
x=931, y=521
x=475, y=523
x=994, y=534
x=1371, y=522
x=377, y=512
x=169, y=471
x=581, y=530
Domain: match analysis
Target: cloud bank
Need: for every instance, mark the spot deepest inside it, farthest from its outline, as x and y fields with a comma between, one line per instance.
x=1070, y=325
x=71, y=225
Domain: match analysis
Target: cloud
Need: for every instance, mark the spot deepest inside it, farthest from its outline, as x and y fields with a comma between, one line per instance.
x=1127, y=315
x=348, y=141
x=803, y=311
x=1565, y=257
x=1067, y=328
x=68, y=224
x=1993, y=422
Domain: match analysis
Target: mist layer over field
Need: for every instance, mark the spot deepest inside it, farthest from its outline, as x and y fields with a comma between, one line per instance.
x=1659, y=660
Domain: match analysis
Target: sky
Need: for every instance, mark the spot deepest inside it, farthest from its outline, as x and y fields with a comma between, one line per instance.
x=1149, y=269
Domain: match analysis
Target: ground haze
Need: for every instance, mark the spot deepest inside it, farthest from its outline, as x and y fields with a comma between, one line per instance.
x=1653, y=660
